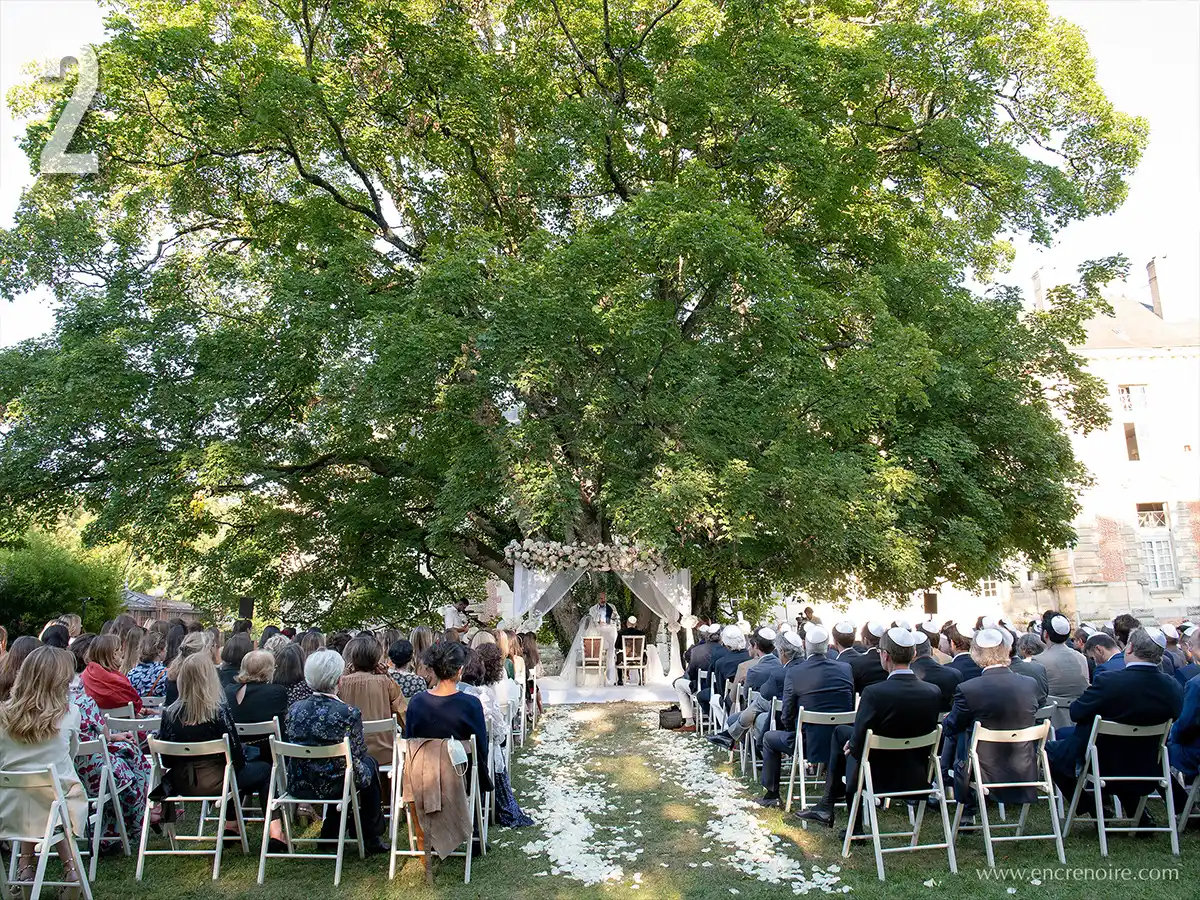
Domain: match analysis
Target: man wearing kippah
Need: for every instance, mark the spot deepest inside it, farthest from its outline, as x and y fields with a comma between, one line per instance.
x=1066, y=670
x=998, y=699
x=867, y=668
x=929, y=669
x=900, y=706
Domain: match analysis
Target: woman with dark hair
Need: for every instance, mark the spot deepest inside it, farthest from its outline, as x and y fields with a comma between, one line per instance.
x=400, y=654
x=160, y=626
x=175, y=637
x=57, y=636
x=103, y=679
x=337, y=642
x=289, y=672
x=191, y=627
x=267, y=633
x=372, y=691
x=123, y=623
x=108, y=626
x=444, y=711
x=311, y=641
x=231, y=658
x=10, y=664
x=533, y=666
x=491, y=676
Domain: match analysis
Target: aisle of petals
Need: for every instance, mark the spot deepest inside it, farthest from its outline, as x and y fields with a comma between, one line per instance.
x=564, y=795
x=731, y=823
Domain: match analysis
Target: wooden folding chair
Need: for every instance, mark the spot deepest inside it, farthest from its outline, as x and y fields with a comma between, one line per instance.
x=474, y=804
x=106, y=797
x=1092, y=778
x=865, y=794
x=633, y=647
x=1042, y=782
x=800, y=758
x=58, y=827
x=279, y=800
x=229, y=794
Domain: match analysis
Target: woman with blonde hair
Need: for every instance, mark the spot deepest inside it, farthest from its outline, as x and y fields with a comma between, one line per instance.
x=200, y=714
x=480, y=638
x=421, y=640
x=254, y=697
x=39, y=728
x=131, y=647
x=196, y=642
x=104, y=680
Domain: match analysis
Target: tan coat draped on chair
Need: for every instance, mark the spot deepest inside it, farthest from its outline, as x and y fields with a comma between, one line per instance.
x=437, y=794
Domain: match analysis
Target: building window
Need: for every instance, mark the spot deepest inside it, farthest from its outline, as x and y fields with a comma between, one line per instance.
x=1158, y=562
x=989, y=587
x=1131, y=447
x=1133, y=397
x=1152, y=515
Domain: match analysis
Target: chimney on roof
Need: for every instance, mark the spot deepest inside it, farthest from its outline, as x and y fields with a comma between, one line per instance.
x=1152, y=275
x=1039, y=293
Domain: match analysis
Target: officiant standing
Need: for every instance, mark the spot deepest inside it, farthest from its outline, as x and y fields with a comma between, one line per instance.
x=605, y=619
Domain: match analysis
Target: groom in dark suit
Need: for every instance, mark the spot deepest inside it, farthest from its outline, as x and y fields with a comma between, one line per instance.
x=900, y=706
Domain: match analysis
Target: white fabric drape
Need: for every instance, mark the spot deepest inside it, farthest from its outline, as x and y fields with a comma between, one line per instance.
x=668, y=595
x=537, y=591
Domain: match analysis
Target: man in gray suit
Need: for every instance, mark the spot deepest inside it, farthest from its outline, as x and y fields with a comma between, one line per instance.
x=1066, y=668
x=1021, y=666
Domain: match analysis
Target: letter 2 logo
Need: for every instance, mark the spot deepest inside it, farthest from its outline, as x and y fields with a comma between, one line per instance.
x=55, y=159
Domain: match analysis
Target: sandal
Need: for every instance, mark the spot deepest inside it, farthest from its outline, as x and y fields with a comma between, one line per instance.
x=70, y=873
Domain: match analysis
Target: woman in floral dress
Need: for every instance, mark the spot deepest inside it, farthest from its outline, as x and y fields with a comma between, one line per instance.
x=131, y=771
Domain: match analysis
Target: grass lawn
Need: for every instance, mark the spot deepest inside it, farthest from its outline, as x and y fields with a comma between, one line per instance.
x=671, y=820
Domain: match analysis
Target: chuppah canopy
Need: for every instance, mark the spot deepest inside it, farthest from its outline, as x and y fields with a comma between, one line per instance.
x=545, y=571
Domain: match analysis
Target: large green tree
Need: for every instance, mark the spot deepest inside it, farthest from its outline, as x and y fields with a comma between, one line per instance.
x=365, y=289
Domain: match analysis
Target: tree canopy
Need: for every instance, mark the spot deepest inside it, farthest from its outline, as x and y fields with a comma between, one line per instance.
x=365, y=289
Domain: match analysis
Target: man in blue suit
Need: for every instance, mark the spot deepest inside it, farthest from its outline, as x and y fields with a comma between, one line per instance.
x=820, y=684
x=787, y=653
x=960, y=644
x=1139, y=694
x=1185, y=674
x=725, y=659
x=1104, y=651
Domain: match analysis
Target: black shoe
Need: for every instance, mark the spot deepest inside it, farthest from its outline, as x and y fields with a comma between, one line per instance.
x=933, y=802
x=770, y=801
x=377, y=846
x=1146, y=821
x=967, y=820
x=818, y=815
x=274, y=845
x=720, y=739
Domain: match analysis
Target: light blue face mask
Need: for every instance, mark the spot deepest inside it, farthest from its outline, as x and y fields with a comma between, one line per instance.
x=458, y=754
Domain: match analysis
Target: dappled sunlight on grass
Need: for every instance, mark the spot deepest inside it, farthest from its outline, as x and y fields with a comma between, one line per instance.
x=681, y=811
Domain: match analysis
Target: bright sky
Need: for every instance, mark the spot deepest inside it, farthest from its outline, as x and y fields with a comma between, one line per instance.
x=1148, y=61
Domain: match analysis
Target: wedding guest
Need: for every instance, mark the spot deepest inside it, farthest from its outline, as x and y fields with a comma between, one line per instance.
x=216, y=643
x=131, y=648
x=321, y=720
x=193, y=643
x=366, y=686
x=56, y=635
x=254, y=697
x=3, y=641
x=274, y=642
x=400, y=654
x=231, y=657
x=505, y=654
x=481, y=637
x=130, y=768
x=533, y=668
x=514, y=659
x=123, y=623
x=929, y=669
x=40, y=728
x=149, y=675
x=11, y=662
x=103, y=679
x=489, y=675
x=289, y=672
x=1066, y=669
x=1184, y=741
x=267, y=633
x=959, y=638
x=867, y=668
x=337, y=642
x=311, y=641
x=445, y=712
x=243, y=626
x=73, y=623
x=1103, y=651
x=1029, y=646
x=175, y=637
x=201, y=715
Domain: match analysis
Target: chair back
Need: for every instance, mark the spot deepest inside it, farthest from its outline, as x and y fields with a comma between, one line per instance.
x=878, y=742
x=1037, y=732
x=634, y=648
x=1044, y=713
x=593, y=648
x=119, y=712
x=261, y=729
x=812, y=717
x=340, y=750
x=194, y=748
x=118, y=725
x=40, y=780
x=153, y=702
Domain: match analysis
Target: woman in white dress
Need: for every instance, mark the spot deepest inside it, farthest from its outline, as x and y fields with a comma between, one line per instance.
x=39, y=728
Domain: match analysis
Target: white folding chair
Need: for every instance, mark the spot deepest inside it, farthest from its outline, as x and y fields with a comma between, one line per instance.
x=592, y=659
x=474, y=804
x=228, y=794
x=383, y=726
x=633, y=647
x=800, y=757
x=106, y=796
x=1061, y=715
x=254, y=732
x=1191, y=806
x=279, y=799
x=120, y=712
x=153, y=703
x=130, y=725
x=703, y=721
x=865, y=794
x=45, y=783
x=1092, y=778
x=1042, y=782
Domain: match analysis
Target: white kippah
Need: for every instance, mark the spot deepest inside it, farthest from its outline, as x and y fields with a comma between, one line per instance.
x=904, y=623
x=1089, y=630
x=794, y=640
x=1008, y=637
x=901, y=637
x=929, y=628
x=845, y=627
x=1157, y=636
x=767, y=634
x=785, y=628
x=920, y=637
x=989, y=622
x=632, y=620
x=732, y=637
x=966, y=631
x=988, y=638
x=875, y=629
x=1060, y=624
x=1007, y=623
x=815, y=634
x=1170, y=631
x=1188, y=628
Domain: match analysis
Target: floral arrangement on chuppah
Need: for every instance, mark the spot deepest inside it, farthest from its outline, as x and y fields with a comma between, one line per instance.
x=556, y=556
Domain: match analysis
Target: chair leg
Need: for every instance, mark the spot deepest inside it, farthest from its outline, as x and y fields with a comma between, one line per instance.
x=141, y=861
x=266, y=835
x=1100, y=825
x=39, y=874
x=941, y=787
x=85, y=883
